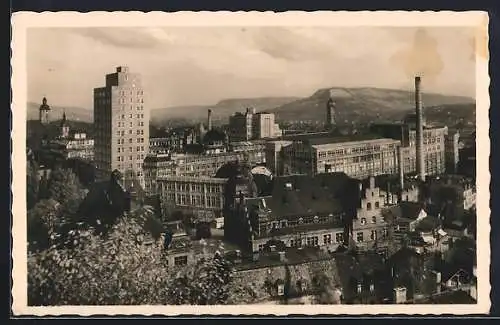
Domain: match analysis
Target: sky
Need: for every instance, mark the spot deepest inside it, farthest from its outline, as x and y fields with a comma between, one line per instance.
x=200, y=66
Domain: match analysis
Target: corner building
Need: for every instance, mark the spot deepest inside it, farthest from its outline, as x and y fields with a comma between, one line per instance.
x=121, y=123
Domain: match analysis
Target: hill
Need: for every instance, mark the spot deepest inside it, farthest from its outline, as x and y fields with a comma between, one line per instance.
x=72, y=113
x=363, y=104
x=220, y=111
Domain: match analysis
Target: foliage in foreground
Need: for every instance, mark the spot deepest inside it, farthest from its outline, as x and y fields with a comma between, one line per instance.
x=124, y=267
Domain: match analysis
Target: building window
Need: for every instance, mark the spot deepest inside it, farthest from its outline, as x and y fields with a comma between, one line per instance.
x=363, y=221
x=373, y=235
x=339, y=237
x=180, y=260
x=384, y=233
x=372, y=287
x=377, y=205
x=374, y=219
x=359, y=237
x=327, y=239
x=359, y=288
x=261, y=247
x=369, y=206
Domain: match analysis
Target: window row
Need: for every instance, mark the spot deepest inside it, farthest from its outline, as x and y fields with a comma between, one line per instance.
x=131, y=149
x=130, y=140
x=122, y=158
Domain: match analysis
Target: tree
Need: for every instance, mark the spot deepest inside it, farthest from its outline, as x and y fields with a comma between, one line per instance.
x=204, y=283
x=43, y=223
x=32, y=183
x=65, y=188
x=123, y=267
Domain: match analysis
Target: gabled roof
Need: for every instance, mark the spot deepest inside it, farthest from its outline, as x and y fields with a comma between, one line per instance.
x=303, y=195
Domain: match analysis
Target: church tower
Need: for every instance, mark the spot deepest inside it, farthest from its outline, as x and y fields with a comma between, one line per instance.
x=330, y=113
x=64, y=127
x=44, y=113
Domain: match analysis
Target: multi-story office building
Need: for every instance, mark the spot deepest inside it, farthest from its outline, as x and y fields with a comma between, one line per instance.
x=357, y=156
x=452, y=151
x=274, y=153
x=240, y=125
x=264, y=126
x=121, y=122
x=252, y=125
x=193, y=165
x=433, y=145
x=202, y=196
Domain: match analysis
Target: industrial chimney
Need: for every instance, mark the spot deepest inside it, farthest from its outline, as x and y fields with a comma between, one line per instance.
x=401, y=168
x=209, y=119
x=420, y=130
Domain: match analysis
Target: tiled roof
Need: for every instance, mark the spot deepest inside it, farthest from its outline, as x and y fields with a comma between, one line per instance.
x=322, y=194
x=450, y=297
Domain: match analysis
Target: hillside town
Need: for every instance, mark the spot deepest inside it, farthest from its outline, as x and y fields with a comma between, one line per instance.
x=281, y=212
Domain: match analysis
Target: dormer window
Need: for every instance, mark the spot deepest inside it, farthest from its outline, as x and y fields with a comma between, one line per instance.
x=301, y=220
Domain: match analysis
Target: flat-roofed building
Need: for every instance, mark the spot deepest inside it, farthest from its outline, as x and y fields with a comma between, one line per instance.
x=433, y=145
x=194, y=165
x=202, y=196
x=359, y=156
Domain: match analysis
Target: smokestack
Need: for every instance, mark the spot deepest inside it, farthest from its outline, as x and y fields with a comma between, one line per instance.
x=401, y=168
x=209, y=119
x=420, y=130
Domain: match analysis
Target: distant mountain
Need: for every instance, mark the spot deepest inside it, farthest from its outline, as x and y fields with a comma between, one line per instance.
x=72, y=113
x=362, y=104
x=220, y=111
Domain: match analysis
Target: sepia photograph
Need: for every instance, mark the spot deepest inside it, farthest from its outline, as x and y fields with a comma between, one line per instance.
x=250, y=163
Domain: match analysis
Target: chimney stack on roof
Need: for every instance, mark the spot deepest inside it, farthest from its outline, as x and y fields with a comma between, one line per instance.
x=420, y=130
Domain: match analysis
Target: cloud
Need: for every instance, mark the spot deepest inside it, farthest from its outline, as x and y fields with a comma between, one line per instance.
x=122, y=37
x=287, y=44
x=198, y=65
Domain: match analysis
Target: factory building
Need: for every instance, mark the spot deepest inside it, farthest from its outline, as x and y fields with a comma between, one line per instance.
x=359, y=156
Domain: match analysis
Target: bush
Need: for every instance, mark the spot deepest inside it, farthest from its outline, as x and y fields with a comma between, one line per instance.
x=122, y=268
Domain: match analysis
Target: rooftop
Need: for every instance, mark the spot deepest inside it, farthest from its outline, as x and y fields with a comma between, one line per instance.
x=292, y=256
x=450, y=297
x=303, y=195
x=348, y=138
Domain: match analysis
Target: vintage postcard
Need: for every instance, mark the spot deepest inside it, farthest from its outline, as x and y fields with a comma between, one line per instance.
x=246, y=163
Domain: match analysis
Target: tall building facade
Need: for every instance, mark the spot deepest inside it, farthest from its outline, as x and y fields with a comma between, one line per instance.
x=263, y=125
x=433, y=148
x=357, y=156
x=452, y=151
x=252, y=125
x=121, y=123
